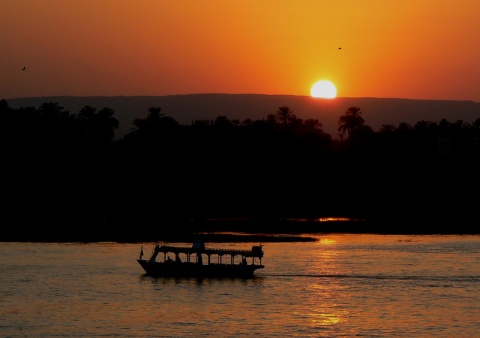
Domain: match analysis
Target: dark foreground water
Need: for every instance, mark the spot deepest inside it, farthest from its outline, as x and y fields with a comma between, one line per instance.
x=342, y=285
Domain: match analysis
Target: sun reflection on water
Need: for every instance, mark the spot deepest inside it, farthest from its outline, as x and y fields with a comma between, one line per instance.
x=327, y=241
x=324, y=292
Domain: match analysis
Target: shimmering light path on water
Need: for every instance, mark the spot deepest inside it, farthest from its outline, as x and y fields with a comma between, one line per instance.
x=341, y=285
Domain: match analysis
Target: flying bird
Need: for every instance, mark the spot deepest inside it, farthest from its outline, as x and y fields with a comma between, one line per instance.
x=23, y=68
x=339, y=48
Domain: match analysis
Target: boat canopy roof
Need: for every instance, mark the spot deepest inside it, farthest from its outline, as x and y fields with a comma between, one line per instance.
x=196, y=248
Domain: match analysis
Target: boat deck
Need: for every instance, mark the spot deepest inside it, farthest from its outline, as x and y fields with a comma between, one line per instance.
x=258, y=253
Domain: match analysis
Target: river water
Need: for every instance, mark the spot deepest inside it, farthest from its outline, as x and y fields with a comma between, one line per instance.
x=339, y=286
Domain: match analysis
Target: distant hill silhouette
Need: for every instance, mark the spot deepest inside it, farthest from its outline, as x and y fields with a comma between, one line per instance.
x=186, y=108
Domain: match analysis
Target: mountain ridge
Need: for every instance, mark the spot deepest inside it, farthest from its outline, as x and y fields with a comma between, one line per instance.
x=186, y=108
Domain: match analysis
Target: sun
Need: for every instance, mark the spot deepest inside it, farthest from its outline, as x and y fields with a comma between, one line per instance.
x=324, y=89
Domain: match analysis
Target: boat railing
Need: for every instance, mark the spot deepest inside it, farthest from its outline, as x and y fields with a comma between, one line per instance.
x=255, y=252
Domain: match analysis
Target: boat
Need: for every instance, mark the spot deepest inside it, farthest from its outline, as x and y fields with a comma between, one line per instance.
x=198, y=261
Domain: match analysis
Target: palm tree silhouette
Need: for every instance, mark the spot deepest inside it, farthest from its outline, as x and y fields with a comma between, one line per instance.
x=313, y=124
x=154, y=114
x=150, y=123
x=51, y=110
x=98, y=126
x=351, y=121
x=55, y=121
x=271, y=119
x=106, y=123
x=284, y=115
x=387, y=128
x=154, y=124
x=87, y=112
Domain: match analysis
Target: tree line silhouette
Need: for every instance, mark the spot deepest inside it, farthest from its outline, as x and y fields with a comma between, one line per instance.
x=65, y=171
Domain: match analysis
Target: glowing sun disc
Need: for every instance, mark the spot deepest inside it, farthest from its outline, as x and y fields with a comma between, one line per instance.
x=324, y=89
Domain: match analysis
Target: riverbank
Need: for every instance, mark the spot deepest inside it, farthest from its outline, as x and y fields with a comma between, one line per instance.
x=229, y=230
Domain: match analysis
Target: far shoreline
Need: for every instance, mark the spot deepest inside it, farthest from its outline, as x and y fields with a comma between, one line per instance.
x=235, y=230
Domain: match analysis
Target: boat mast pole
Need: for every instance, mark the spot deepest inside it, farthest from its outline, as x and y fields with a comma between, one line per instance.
x=155, y=253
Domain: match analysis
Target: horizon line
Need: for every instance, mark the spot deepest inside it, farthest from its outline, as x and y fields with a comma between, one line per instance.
x=235, y=94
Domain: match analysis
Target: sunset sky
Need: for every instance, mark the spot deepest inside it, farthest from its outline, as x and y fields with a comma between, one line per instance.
x=419, y=49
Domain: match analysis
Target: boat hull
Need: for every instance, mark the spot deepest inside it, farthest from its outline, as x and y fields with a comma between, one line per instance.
x=173, y=269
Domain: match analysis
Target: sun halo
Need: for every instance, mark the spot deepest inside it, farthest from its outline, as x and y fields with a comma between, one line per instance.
x=323, y=89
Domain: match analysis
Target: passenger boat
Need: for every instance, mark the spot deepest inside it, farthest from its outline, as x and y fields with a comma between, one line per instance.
x=198, y=261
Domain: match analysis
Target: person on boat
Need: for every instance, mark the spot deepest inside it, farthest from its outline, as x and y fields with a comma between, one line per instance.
x=141, y=252
x=169, y=260
x=177, y=259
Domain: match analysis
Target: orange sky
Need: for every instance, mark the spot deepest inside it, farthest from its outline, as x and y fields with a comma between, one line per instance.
x=419, y=49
